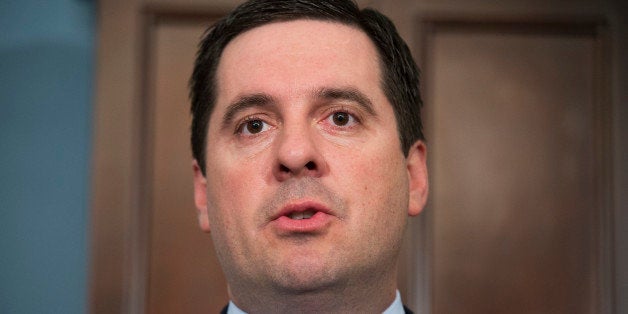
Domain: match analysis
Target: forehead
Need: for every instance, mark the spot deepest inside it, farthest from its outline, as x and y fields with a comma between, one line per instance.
x=296, y=55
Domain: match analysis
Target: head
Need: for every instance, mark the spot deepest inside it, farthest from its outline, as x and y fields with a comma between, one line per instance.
x=400, y=75
x=308, y=152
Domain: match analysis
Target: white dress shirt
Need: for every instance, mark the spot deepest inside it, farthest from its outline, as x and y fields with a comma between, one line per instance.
x=395, y=308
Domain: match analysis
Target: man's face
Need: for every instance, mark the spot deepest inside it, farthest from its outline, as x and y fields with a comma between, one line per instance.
x=306, y=182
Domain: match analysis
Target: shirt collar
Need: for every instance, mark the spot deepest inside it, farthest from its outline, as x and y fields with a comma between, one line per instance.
x=233, y=309
x=395, y=308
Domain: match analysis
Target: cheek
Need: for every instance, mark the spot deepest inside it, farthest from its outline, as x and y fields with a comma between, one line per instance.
x=232, y=192
x=378, y=202
x=376, y=179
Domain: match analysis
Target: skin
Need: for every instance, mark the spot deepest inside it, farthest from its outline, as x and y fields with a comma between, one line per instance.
x=278, y=138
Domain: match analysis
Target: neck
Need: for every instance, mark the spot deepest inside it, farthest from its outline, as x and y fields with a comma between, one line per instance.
x=372, y=295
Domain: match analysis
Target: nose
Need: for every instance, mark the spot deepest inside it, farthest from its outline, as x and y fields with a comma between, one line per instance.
x=298, y=154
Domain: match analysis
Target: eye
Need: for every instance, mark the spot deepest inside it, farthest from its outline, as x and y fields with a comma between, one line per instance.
x=253, y=126
x=342, y=118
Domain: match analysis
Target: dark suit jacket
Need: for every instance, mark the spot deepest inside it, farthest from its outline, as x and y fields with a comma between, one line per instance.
x=407, y=310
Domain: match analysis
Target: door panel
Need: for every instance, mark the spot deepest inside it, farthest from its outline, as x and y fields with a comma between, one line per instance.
x=515, y=221
x=184, y=274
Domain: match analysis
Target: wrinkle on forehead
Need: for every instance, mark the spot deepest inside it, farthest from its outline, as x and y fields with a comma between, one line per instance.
x=295, y=47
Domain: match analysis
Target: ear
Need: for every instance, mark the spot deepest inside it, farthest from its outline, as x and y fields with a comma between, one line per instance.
x=200, y=197
x=417, y=178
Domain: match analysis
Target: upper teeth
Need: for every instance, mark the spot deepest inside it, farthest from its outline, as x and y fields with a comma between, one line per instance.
x=301, y=215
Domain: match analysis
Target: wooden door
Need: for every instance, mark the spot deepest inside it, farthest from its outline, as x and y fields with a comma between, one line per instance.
x=183, y=273
x=150, y=254
x=519, y=126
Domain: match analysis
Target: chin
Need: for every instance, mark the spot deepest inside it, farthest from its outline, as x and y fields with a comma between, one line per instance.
x=299, y=284
x=307, y=275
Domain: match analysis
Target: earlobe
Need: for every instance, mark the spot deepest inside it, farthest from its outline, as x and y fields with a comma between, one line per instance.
x=200, y=197
x=417, y=178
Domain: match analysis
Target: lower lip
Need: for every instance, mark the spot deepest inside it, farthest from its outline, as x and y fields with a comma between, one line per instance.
x=318, y=222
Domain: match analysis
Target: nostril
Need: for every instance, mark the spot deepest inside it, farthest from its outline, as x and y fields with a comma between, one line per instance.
x=307, y=169
x=310, y=165
x=283, y=168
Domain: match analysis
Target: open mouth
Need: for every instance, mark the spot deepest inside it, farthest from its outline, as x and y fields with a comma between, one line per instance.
x=302, y=215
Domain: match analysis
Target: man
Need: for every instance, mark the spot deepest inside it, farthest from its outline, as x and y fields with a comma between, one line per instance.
x=309, y=155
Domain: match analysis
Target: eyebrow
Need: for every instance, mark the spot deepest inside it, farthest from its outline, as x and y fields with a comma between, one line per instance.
x=244, y=102
x=348, y=94
x=326, y=93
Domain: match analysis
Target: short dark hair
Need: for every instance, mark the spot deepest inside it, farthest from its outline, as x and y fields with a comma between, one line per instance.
x=400, y=75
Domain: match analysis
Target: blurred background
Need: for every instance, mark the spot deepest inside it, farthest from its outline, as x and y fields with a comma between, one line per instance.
x=47, y=80
x=526, y=117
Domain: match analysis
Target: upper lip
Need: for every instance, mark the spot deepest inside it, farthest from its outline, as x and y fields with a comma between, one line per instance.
x=301, y=206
